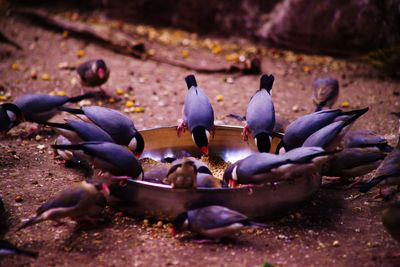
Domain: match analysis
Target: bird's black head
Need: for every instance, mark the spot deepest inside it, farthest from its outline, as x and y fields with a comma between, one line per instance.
x=190, y=81
x=11, y=118
x=180, y=222
x=263, y=142
x=101, y=68
x=136, y=145
x=201, y=137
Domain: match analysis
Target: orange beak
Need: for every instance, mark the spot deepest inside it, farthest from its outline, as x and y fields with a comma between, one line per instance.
x=204, y=149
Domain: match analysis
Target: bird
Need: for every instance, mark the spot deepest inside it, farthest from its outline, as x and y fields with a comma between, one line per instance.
x=93, y=72
x=365, y=139
x=117, y=125
x=108, y=157
x=183, y=174
x=391, y=218
x=330, y=136
x=305, y=161
x=81, y=202
x=10, y=116
x=6, y=248
x=258, y=168
x=325, y=92
x=388, y=172
x=213, y=222
x=77, y=131
x=260, y=116
x=198, y=115
x=42, y=107
x=300, y=129
x=353, y=162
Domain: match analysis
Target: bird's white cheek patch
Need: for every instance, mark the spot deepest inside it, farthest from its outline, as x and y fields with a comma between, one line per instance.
x=132, y=144
x=234, y=174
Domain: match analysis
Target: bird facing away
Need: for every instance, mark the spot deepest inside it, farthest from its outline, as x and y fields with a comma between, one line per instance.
x=81, y=202
x=117, y=125
x=325, y=92
x=212, y=222
x=10, y=116
x=300, y=129
x=260, y=116
x=108, y=157
x=183, y=174
x=42, y=107
x=93, y=72
x=6, y=248
x=365, y=139
x=198, y=115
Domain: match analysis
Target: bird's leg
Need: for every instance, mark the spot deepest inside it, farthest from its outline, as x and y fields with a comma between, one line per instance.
x=245, y=132
x=181, y=128
x=379, y=195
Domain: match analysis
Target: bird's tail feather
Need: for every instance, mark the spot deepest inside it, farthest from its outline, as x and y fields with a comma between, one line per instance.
x=32, y=254
x=68, y=147
x=354, y=116
x=76, y=111
x=365, y=187
x=56, y=125
x=257, y=225
x=81, y=97
x=355, y=111
x=190, y=81
x=30, y=222
x=266, y=82
x=236, y=117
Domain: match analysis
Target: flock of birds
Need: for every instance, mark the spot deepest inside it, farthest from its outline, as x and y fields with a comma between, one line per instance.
x=108, y=141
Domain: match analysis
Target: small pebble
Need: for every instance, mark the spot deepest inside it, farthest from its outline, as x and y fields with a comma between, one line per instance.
x=19, y=199
x=335, y=243
x=295, y=108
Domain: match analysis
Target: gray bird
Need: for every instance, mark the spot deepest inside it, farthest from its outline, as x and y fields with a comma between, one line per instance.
x=300, y=129
x=10, y=116
x=73, y=157
x=6, y=248
x=330, y=136
x=78, y=131
x=212, y=222
x=388, y=172
x=42, y=107
x=183, y=174
x=260, y=116
x=93, y=72
x=108, y=157
x=325, y=92
x=391, y=218
x=120, y=127
x=306, y=161
x=353, y=162
x=365, y=139
x=257, y=168
x=198, y=115
x=81, y=202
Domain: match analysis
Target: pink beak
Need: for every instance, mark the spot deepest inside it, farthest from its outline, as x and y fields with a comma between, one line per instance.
x=100, y=73
x=105, y=189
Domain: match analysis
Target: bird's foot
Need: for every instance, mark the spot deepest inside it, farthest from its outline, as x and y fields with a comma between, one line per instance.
x=245, y=133
x=181, y=128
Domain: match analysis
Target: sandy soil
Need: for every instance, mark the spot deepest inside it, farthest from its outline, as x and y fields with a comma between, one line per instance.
x=337, y=228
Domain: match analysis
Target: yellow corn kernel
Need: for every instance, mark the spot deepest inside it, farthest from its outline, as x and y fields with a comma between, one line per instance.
x=80, y=53
x=345, y=104
x=139, y=109
x=119, y=91
x=219, y=98
x=45, y=77
x=185, y=53
x=129, y=104
x=14, y=66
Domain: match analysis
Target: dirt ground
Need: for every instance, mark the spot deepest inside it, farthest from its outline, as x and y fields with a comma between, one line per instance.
x=337, y=228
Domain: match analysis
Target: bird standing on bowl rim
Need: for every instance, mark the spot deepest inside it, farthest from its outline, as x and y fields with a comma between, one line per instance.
x=93, y=73
x=113, y=161
x=325, y=92
x=81, y=202
x=212, y=222
x=117, y=125
x=10, y=116
x=198, y=115
x=260, y=116
x=300, y=129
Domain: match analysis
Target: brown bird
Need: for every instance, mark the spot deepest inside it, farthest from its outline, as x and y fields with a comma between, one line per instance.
x=81, y=202
x=183, y=175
